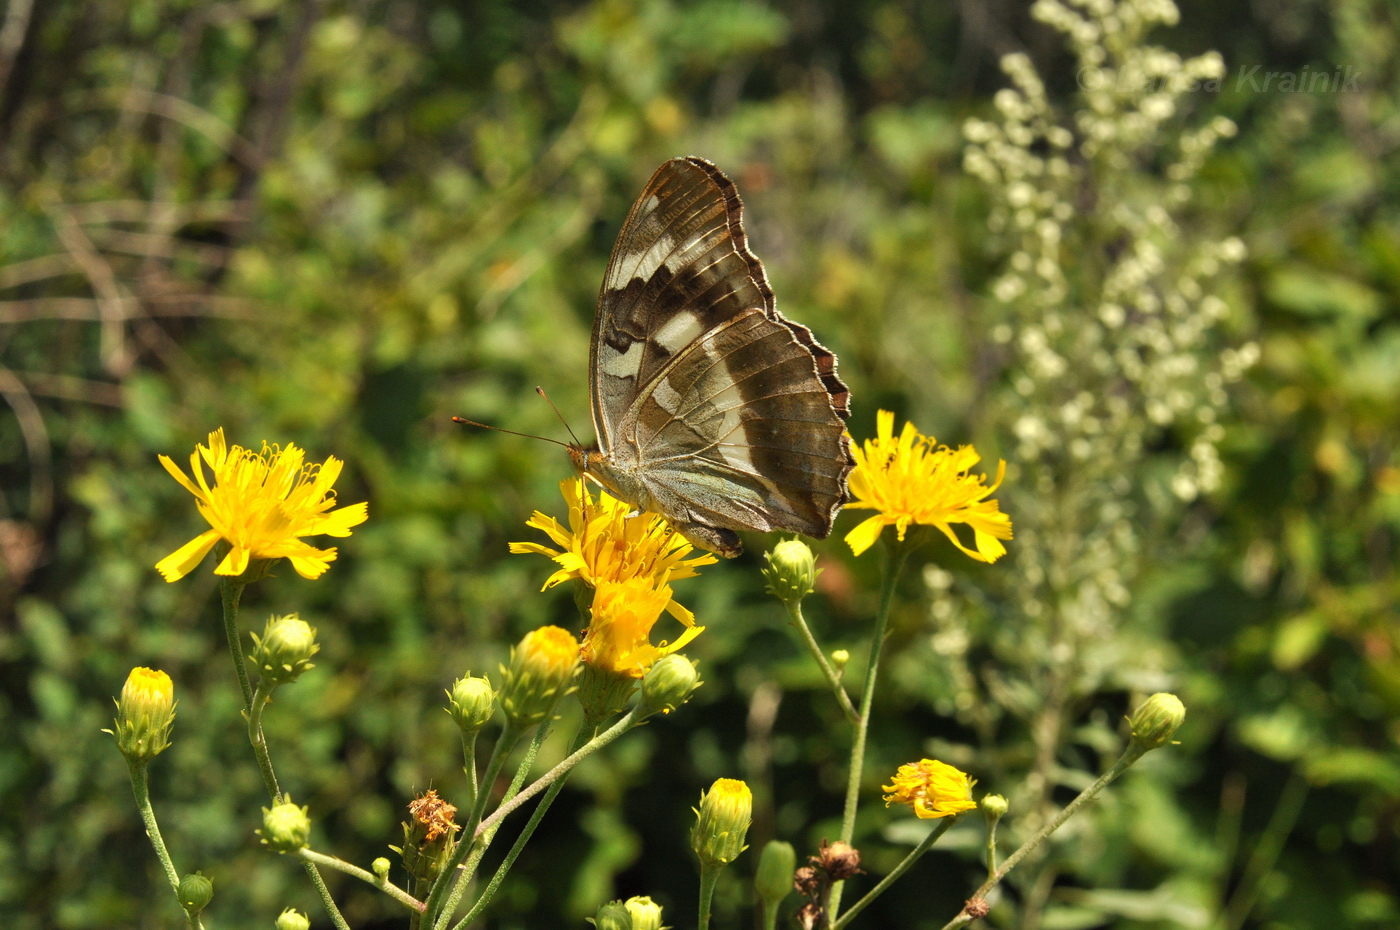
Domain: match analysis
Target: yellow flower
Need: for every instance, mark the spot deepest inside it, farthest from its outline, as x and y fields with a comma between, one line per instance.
x=934, y=789
x=912, y=479
x=618, y=638
x=606, y=541
x=261, y=504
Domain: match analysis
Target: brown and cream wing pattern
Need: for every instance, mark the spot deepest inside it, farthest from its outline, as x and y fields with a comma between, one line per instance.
x=732, y=415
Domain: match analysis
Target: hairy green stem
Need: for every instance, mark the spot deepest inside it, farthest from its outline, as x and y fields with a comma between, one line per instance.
x=896, y=873
x=465, y=874
x=894, y=565
x=231, y=591
x=469, y=766
x=437, y=894
x=709, y=875
x=1133, y=753
x=548, y=778
x=794, y=609
x=481, y=903
x=255, y=736
x=992, y=845
x=383, y=884
x=140, y=786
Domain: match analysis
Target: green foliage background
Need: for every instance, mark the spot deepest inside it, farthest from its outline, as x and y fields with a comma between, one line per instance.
x=339, y=223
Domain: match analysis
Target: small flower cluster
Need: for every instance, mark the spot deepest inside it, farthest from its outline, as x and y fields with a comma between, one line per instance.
x=1113, y=345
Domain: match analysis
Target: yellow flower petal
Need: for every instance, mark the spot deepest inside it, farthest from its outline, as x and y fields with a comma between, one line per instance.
x=182, y=561
x=865, y=533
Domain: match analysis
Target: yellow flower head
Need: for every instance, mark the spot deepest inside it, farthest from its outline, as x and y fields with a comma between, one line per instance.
x=605, y=541
x=934, y=789
x=261, y=504
x=618, y=638
x=911, y=479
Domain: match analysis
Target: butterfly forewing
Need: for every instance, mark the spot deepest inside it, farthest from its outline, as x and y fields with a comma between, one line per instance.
x=708, y=403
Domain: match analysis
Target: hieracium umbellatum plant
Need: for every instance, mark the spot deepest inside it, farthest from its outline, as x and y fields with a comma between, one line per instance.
x=1104, y=358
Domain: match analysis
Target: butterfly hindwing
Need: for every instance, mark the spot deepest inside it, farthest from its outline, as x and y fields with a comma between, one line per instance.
x=710, y=406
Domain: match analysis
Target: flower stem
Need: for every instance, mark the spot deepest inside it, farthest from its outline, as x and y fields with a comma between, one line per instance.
x=259, y=741
x=140, y=786
x=894, y=565
x=1133, y=753
x=709, y=875
x=548, y=778
x=384, y=885
x=794, y=609
x=992, y=845
x=541, y=809
x=469, y=766
x=437, y=894
x=478, y=847
x=231, y=592
x=896, y=873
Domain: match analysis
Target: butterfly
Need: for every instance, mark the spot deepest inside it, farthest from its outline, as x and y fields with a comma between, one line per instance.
x=711, y=408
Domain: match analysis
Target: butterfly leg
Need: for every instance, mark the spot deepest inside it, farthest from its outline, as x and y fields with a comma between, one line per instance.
x=716, y=539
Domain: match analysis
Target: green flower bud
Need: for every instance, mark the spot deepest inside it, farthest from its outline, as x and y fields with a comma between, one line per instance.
x=612, y=916
x=993, y=806
x=471, y=702
x=722, y=822
x=293, y=920
x=285, y=649
x=1157, y=720
x=645, y=913
x=145, y=713
x=775, y=867
x=380, y=867
x=541, y=668
x=668, y=684
x=286, y=827
x=195, y=893
x=791, y=571
x=839, y=658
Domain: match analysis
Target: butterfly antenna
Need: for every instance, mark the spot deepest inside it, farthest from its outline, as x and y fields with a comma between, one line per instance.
x=540, y=391
x=465, y=422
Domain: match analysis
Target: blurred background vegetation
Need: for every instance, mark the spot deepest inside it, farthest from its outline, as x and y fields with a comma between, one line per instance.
x=339, y=223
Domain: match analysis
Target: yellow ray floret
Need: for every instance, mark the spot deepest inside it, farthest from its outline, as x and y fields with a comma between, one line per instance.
x=912, y=480
x=261, y=504
x=606, y=540
x=933, y=789
x=618, y=638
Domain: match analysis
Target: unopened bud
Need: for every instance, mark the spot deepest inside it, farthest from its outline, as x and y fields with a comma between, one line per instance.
x=285, y=649
x=668, y=684
x=293, y=920
x=195, y=893
x=380, y=867
x=722, y=822
x=541, y=667
x=791, y=570
x=1157, y=720
x=145, y=713
x=612, y=916
x=471, y=702
x=775, y=867
x=839, y=658
x=645, y=913
x=993, y=806
x=286, y=827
